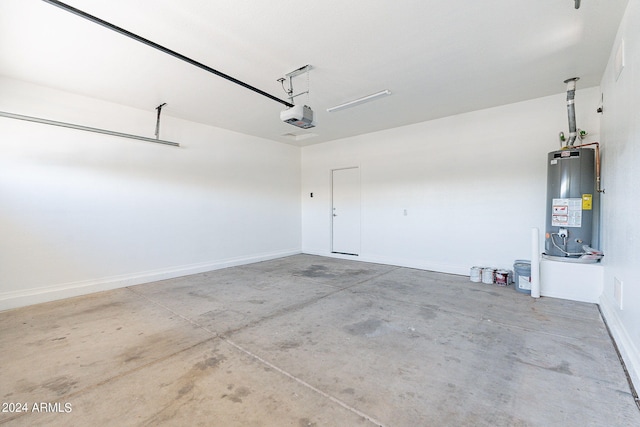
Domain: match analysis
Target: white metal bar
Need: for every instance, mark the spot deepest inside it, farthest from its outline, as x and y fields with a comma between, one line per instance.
x=85, y=128
x=359, y=101
x=304, y=69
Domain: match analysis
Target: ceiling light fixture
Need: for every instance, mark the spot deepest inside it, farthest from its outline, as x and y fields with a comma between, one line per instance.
x=359, y=101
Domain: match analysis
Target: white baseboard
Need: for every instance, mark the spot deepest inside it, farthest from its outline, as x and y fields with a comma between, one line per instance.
x=630, y=353
x=21, y=298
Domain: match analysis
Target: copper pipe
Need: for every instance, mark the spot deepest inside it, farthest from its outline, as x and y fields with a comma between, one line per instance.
x=597, y=144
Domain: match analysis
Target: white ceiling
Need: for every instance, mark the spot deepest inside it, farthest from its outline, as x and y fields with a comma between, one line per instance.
x=437, y=57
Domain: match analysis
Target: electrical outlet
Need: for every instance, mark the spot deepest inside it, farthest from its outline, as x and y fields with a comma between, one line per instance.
x=617, y=291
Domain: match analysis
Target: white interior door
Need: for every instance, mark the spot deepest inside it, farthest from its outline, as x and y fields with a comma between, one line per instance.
x=345, y=211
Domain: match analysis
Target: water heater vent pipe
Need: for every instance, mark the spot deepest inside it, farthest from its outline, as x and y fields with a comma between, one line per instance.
x=571, y=109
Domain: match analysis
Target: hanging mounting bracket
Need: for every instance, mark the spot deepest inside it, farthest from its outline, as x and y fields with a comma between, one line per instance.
x=159, y=108
x=290, y=76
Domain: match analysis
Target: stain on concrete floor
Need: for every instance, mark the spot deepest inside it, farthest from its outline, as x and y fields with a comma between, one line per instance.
x=406, y=349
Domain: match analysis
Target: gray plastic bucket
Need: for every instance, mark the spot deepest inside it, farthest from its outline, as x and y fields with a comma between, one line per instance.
x=522, y=282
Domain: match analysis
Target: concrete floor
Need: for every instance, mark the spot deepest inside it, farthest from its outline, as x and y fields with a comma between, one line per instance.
x=312, y=341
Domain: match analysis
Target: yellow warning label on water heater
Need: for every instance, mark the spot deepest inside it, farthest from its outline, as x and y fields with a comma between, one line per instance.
x=587, y=200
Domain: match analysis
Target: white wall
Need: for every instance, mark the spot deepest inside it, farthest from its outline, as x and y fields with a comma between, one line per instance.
x=81, y=212
x=473, y=185
x=621, y=181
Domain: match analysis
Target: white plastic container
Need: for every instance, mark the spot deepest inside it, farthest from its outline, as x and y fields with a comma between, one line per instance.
x=488, y=275
x=475, y=274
